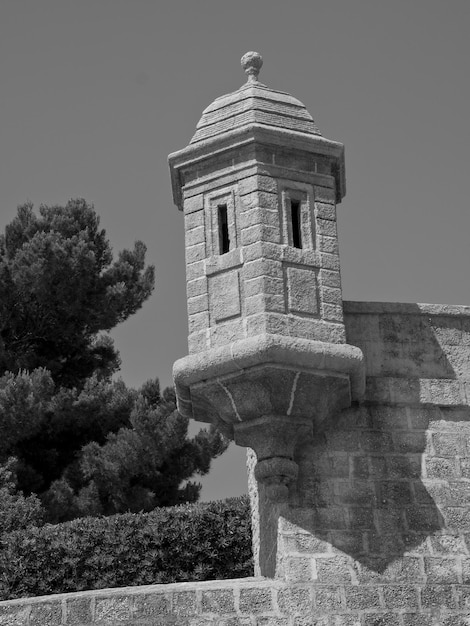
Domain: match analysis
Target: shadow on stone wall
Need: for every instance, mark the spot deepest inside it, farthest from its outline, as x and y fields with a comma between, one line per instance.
x=378, y=481
x=361, y=495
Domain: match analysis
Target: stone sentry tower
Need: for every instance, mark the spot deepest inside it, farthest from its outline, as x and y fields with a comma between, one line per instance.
x=268, y=364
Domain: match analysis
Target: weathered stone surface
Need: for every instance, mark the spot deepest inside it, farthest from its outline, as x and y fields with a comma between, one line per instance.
x=226, y=332
x=302, y=291
x=112, y=610
x=264, y=302
x=220, y=601
x=224, y=290
x=196, y=252
x=264, y=285
x=78, y=611
x=194, y=203
x=249, y=353
x=260, y=232
x=16, y=614
x=184, y=603
x=328, y=244
x=259, y=215
x=198, y=322
x=332, y=312
x=198, y=304
x=408, y=359
x=46, y=614
x=255, y=600
x=216, y=264
x=327, y=278
x=324, y=194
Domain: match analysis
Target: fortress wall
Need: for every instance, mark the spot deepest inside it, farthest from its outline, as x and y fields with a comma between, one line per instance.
x=381, y=526
x=415, y=353
x=380, y=523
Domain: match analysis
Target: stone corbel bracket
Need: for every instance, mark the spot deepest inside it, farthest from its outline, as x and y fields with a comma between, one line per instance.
x=269, y=392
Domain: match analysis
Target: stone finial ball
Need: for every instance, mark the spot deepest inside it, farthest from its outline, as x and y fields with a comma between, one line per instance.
x=252, y=62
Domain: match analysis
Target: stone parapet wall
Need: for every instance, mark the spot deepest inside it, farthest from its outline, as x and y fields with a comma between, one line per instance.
x=415, y=353
x=238, y=602
x=250, y=602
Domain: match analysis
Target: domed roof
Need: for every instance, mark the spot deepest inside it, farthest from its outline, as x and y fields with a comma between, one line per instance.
x=254, y=103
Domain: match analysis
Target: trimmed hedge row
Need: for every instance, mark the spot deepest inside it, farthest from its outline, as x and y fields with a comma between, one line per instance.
x=203, y=541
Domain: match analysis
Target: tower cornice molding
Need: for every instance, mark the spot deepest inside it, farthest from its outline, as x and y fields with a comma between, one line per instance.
x=194, y=155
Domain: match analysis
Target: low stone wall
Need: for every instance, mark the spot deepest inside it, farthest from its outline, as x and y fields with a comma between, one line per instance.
x=237, y=602
x=249, y=602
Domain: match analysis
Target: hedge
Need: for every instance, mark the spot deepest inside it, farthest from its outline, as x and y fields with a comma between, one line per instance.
x=203, y=541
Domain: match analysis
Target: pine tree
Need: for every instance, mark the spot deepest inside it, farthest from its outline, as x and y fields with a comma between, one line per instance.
x=61, y=291
x=83, y=443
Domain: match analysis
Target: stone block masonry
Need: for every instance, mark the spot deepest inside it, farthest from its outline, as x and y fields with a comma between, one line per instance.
x=379, y=522
x=259, y=192
x=243, y=602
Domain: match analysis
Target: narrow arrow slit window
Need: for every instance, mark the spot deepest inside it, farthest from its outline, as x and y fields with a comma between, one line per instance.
x=296, y=224
x=224, y=238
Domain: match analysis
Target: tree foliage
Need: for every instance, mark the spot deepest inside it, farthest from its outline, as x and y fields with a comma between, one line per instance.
x=101, y=450
x=85, y=444
x=60, y=289
x=16, y=511
x=146, y=463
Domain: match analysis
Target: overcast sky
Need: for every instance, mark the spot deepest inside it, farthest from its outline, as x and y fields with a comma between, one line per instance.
x=94, y=94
